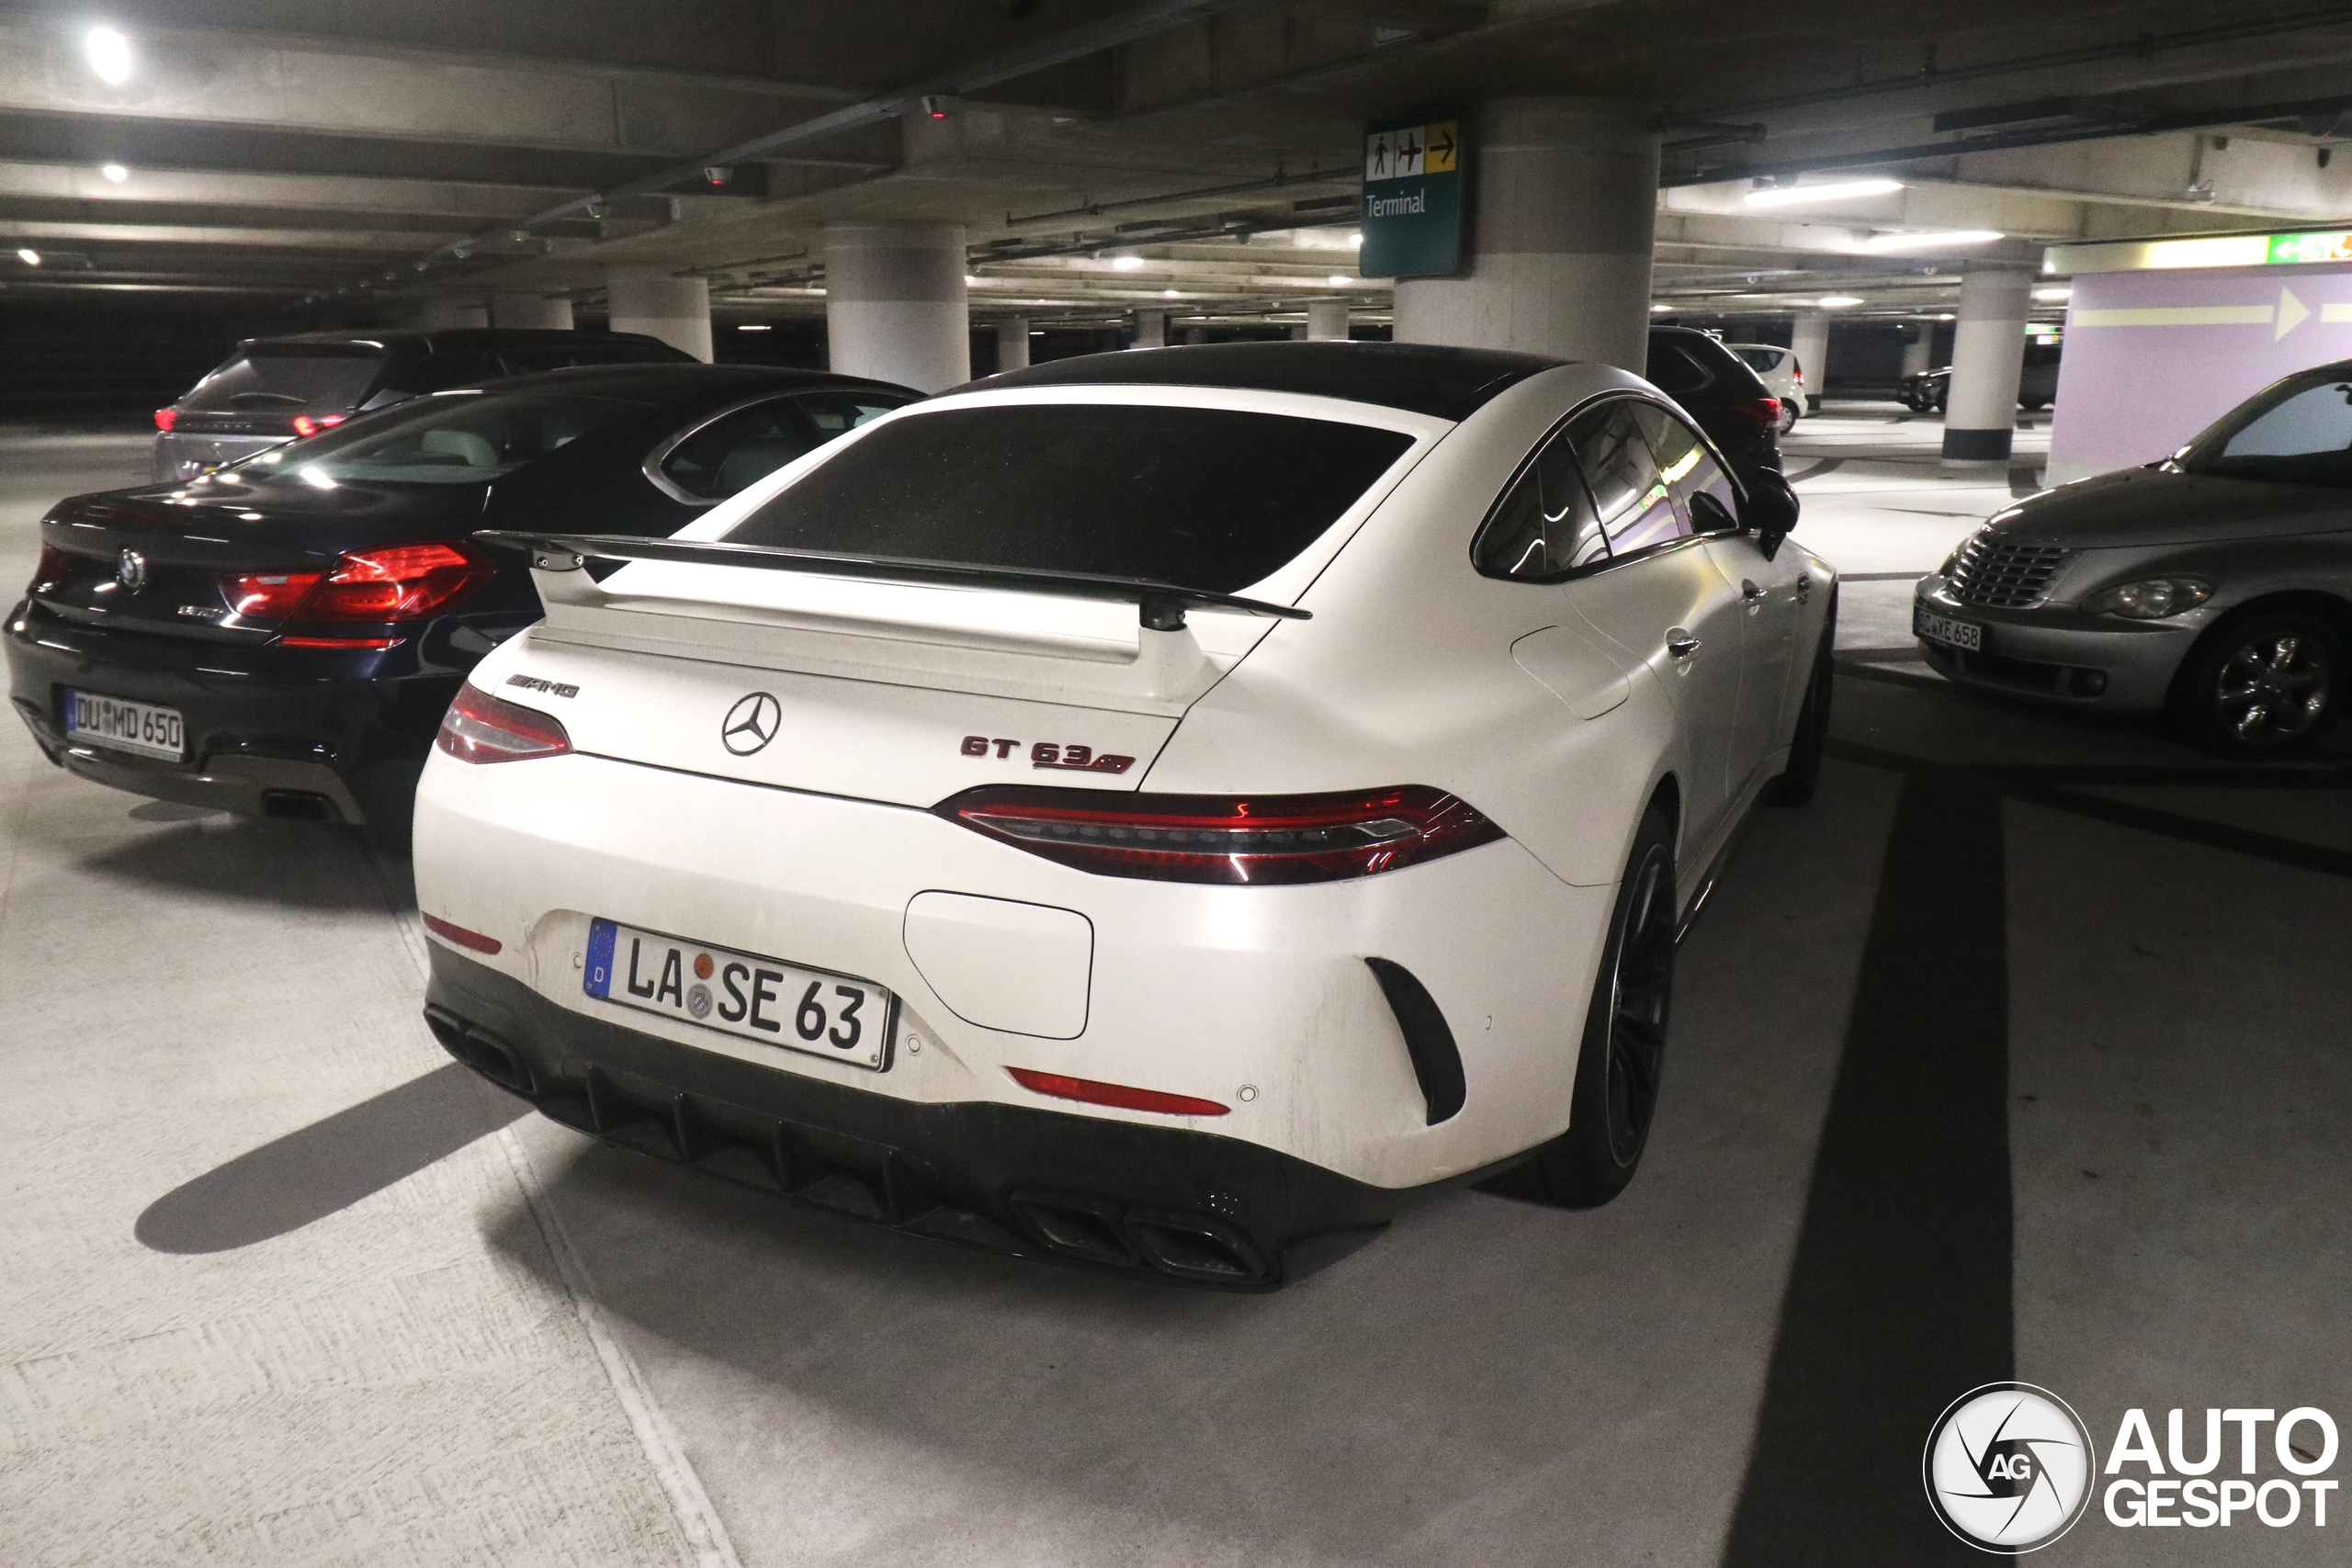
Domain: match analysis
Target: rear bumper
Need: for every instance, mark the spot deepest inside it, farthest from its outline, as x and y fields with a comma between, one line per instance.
x=1162, y=1202
x=318, y=733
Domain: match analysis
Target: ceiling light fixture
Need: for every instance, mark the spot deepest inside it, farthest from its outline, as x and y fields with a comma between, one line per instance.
x=1126, y=264
x=1843, y=190
x=110, y=55
x=750, y=326
x=2053, y=296
x=1168, y=294
x=1337, y=281
x=1656, y=309
x=1929, y=241
x=29, y=257
x=115, y=172
x=1354, y=240
x=1839, y=301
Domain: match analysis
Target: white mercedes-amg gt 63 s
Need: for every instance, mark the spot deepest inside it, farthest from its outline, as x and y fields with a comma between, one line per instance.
x=1149, y=809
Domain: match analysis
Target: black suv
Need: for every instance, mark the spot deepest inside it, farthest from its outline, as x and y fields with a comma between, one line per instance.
x=1717, y=388
x=274, y=389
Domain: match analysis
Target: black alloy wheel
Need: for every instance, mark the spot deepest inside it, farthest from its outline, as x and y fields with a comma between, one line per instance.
x=1623, y=1052
x=2260, y=685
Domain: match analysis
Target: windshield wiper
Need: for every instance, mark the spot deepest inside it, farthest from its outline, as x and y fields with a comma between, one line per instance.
x=1159, y=605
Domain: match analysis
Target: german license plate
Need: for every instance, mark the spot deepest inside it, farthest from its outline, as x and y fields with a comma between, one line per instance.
x=742, y=994
x=1945, y=630
x=142, y=727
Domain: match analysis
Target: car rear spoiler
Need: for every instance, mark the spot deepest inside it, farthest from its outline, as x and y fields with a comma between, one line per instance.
x=1161, y=606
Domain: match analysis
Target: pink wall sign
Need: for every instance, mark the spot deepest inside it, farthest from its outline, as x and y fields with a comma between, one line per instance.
x=2153, y=357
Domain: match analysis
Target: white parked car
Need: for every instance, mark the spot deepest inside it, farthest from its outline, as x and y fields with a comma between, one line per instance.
x=1782, y=372
x=1149, y=809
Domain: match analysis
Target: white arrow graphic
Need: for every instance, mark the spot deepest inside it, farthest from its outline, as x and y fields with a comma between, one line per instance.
x=2292, y=314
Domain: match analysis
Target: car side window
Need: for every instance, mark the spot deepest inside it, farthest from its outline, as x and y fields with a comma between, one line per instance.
x=1629, y=490
x=1544, y=524
x=833, y=413
x=1675, y=370
x=1689, y=469
x=737, y=449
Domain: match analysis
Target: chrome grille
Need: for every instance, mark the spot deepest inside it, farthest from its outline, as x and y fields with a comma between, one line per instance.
x=2003, y=576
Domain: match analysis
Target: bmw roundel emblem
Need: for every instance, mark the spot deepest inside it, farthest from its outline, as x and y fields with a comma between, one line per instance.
x=751, y=723
x=131, y=571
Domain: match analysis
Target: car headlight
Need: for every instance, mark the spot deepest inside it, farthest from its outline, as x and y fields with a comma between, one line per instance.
x=2150, y=600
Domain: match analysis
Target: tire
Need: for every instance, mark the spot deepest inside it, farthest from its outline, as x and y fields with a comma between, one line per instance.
x=2261, y=683
x=1788, y=415
x=1624, y=1034
x=1793, y=785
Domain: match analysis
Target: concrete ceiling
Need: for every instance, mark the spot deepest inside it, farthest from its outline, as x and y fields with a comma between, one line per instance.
x=1195, y=155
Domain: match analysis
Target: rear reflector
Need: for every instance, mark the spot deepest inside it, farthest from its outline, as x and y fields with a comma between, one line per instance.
x=1119, y=1095
x=400, y=582
x=479, y=727
x=1765, y=411
x=459, y=935
x=1255, y=839
x=341, y=641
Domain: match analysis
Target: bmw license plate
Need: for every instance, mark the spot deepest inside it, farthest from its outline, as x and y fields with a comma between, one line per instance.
x=142, y=727
x=1943, y=630
x=741, y=993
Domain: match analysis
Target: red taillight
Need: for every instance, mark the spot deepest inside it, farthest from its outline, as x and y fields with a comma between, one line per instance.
x=166, y=418
x=1256, y=840
x=448, y=932
x=479, y=727
x=51, y=569
x=1765, y=411
x=400, y=583
x=1120, y=1095
x=305, y=426
x=341, y=641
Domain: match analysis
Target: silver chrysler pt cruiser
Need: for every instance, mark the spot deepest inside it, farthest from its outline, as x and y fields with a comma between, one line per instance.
x=2214, y=587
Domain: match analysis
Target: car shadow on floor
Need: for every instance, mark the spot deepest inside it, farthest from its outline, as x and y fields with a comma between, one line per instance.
x=304, y=865
x=328, y=1165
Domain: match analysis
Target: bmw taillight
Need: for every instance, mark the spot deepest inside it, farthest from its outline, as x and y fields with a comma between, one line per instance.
x=1253, y=839
x=479, y=727
x=1765, y=411
x=400, y=582
x=305, y=426
x=166, y=418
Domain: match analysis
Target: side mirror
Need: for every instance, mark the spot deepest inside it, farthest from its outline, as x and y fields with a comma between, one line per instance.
x=1770, y=508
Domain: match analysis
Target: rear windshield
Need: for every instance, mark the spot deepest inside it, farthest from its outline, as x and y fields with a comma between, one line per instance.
x=448, y=438
x=2297, y=433
x=287, y=379
x=1214, y=499
x=1760, y=360
x=524, y=358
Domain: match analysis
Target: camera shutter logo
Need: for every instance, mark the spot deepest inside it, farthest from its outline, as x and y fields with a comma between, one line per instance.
x=2009, y=1468
x=750, y=724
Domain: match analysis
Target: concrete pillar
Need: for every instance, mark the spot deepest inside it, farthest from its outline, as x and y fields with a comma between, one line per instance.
x=895, y=305
x=530, y=310
x=442, y=314
x=1812, y=346
x=1196, y=334
x=1917, y=352
x=1327, y=321
x=1298, y=332
x=1562, y=214
x=1151, y=329
x=675, y=309
x=1987, y=353
x=1013, y=344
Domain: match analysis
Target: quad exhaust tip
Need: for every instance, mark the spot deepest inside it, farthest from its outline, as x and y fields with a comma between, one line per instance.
x=1183, y=1246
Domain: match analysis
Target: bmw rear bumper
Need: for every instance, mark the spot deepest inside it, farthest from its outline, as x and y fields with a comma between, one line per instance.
x=1168, y=1203
x=328, y=733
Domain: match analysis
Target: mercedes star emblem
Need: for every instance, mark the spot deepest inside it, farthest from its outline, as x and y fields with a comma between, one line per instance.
x=751, y=723
x=132, y=571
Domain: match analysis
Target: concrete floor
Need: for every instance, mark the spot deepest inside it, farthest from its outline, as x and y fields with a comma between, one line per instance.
x=2020, y=1053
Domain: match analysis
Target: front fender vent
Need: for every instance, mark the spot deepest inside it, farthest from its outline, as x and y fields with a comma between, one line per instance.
x=1437, y=1063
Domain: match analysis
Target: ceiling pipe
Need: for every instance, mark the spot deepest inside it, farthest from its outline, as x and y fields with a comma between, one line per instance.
x=1123, y=26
